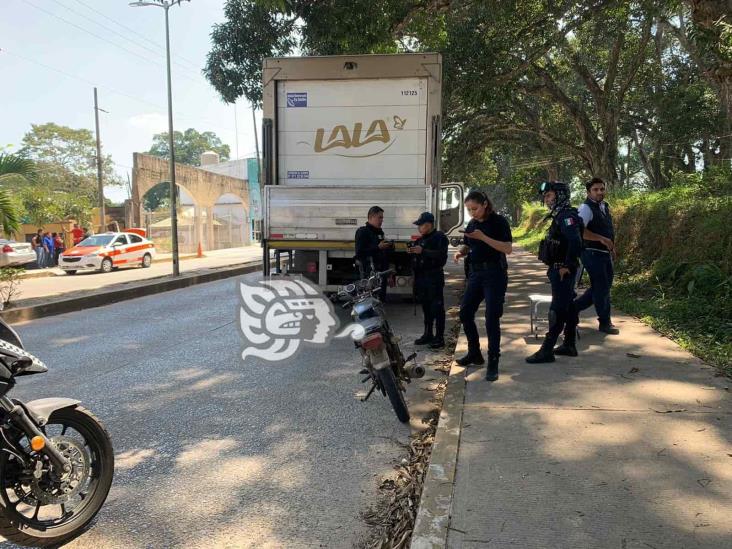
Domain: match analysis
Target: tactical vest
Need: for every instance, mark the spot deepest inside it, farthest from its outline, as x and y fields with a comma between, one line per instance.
x=601, y=223
x=553, y=248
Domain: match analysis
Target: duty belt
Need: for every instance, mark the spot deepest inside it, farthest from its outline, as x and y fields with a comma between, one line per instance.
x=483, y=266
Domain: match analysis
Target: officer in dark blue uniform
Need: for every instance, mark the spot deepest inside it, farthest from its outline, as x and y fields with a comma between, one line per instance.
x=597, y=257
x=371, y=248
x=560, y=250
x=430, y=255
x=488, y=236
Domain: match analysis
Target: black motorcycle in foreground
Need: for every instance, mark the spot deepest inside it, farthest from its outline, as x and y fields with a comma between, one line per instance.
x=385, y=365
x=56, y=458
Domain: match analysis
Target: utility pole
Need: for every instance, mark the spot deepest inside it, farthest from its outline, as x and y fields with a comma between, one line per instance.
x=165, y=4
x=100, y=183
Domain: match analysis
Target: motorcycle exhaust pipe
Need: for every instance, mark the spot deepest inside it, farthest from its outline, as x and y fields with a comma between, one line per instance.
x=414, y=370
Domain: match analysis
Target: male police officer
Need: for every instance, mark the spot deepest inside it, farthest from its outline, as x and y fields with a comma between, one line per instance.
x=599, y=237
x=430, y=256
x=560, y=250
x=371, y=248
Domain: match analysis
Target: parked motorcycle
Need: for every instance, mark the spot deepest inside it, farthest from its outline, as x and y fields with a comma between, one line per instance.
x=56, y=458
x=384, y=363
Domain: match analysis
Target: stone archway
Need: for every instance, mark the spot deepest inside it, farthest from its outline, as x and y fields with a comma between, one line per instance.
x=204, y=187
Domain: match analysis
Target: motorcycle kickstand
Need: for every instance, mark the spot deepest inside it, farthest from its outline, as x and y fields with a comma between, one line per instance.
x=364, y=399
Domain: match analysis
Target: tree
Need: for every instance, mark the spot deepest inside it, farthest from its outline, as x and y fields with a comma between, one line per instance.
x=189, y=146
x=596, y=85
x=12, y=168
x=66, y=159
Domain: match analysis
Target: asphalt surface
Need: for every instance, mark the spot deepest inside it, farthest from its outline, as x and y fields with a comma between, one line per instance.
x=214, y=452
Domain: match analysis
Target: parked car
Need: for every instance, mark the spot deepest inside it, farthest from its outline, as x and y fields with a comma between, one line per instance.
x=106, y=251
x=14, y=254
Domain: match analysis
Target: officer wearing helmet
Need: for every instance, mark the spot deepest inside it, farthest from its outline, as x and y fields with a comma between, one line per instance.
x=429, y=254
x=560, y=251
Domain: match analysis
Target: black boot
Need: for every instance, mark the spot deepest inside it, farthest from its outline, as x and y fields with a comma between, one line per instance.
x=566, y=349
x=491, y=373
x=545, y=354
x=608, y=328
x=473, y=357
x=427, y=337
x=438, y=342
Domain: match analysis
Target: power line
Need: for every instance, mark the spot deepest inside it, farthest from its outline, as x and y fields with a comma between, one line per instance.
x=108, y=88
x=142, y=46
x=101, y=37
x=133, y=31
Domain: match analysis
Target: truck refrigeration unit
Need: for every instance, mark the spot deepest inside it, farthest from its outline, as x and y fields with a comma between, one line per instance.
x=342, y=134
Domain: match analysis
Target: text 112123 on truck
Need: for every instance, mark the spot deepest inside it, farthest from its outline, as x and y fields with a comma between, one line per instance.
x=342, y=134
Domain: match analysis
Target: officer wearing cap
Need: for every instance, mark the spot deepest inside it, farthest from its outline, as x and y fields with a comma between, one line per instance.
x=430, y=255
x=560, y=251
x=599, y=237
x=371, y=248
x=488, y=237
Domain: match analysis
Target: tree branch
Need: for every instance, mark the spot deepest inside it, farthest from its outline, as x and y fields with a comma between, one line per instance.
x=638, y=59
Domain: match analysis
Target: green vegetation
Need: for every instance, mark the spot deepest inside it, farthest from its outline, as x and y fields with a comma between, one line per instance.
x=673, y=269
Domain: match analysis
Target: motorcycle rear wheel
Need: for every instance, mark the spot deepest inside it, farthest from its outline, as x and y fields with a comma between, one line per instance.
x=396, y=397
x=17, y=497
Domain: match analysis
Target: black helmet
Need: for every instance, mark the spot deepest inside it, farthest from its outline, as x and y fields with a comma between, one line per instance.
x=560, y=189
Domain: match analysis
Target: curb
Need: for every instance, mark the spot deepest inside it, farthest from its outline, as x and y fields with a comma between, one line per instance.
x=99, y=299
x=435, y=504
x=43, y=273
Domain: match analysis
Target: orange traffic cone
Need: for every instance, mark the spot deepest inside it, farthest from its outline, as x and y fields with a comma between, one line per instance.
x=200, y=251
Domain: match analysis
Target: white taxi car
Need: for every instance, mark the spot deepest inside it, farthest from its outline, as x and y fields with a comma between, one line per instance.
x=106, y=251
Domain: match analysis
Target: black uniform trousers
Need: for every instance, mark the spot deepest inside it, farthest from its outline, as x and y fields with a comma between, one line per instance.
x=562, y=310
x=429, y=289
x=487, y=284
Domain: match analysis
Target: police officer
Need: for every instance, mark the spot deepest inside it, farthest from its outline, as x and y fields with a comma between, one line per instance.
x=599, y=237
x=371, y=248
x=430, y=255
x=560, y=250
x=488, y=237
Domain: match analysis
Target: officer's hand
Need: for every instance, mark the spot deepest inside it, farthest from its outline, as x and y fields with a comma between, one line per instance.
x=609, y=244
x=563, y=271
x=458, y=256
x=416, y=249
x=477, y=234
x=383, y=245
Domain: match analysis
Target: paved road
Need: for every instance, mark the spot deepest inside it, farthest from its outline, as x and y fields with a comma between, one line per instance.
x=61, y=283
x=212, y=452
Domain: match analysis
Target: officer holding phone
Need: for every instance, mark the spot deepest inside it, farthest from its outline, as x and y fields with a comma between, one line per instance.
x=371, y=248
x=488, y=239
x=430, y=255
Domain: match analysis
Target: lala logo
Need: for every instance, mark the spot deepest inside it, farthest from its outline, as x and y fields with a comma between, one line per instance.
x=342, y=137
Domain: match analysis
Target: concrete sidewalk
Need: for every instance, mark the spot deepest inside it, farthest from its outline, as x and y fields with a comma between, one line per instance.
x=626, y=446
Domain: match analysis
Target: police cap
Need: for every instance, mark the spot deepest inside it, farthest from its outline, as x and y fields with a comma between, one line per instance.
x=425, y=217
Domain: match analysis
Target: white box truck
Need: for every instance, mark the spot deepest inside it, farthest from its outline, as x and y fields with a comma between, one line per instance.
x=342, y=134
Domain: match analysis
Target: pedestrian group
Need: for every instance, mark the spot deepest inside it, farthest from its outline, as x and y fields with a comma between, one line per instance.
x=48, y=246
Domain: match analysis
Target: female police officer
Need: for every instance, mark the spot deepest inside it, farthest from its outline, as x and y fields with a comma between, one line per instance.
x=488, y=236
x=560, y=250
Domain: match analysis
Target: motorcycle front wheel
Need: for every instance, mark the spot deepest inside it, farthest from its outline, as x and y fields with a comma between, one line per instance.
x=39, y=509
x=396, y=397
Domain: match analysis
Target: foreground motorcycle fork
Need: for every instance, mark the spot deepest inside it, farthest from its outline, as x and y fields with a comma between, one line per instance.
x=19, y=417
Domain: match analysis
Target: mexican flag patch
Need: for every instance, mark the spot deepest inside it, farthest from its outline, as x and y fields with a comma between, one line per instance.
x=569, y=221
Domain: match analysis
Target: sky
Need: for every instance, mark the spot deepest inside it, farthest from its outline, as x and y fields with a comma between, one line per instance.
x=53, y=53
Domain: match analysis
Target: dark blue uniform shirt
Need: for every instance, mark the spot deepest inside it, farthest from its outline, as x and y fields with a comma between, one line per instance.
x=570, y=224
x=496, y=227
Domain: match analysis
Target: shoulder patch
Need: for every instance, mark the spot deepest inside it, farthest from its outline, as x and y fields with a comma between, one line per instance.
x=569, y=221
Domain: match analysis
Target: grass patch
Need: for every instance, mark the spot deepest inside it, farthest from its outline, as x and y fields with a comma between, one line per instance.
x=673, y=270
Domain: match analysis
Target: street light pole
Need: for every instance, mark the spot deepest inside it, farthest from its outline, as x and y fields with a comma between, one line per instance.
x=165, y=4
